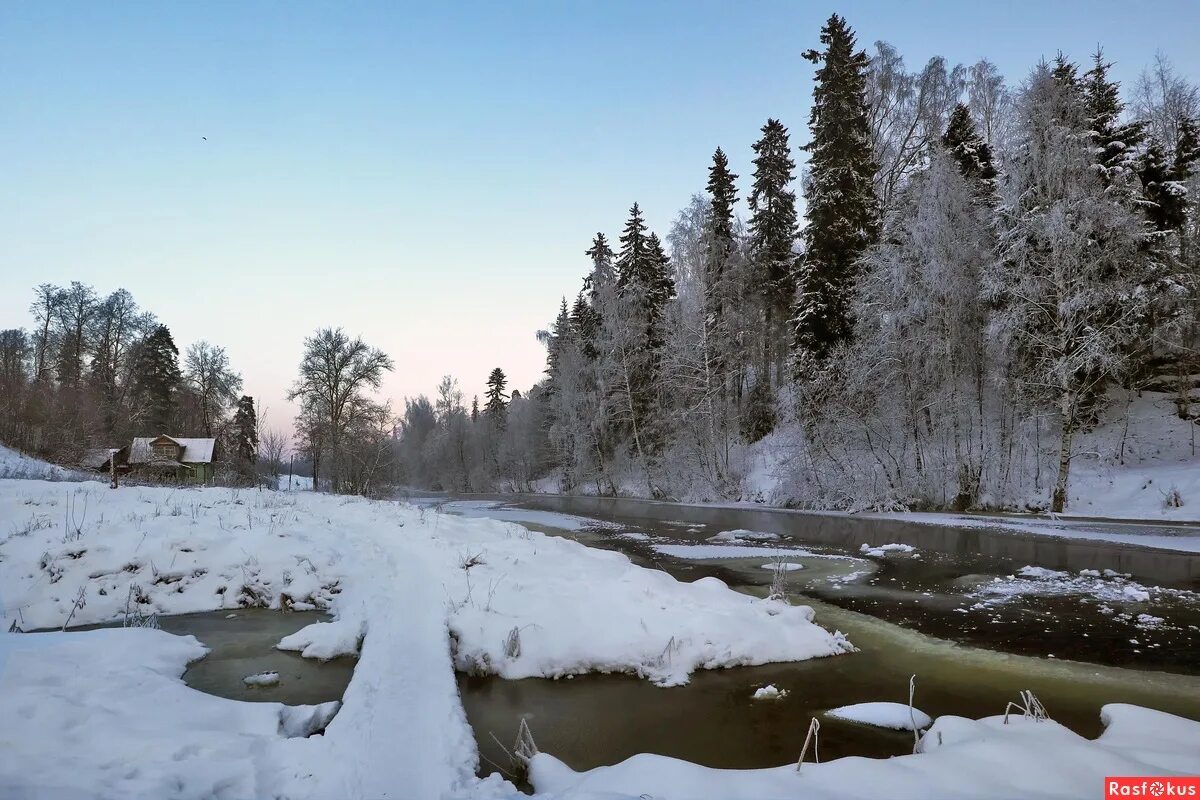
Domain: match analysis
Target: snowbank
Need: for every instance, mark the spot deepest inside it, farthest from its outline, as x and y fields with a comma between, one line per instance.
x=961, y=758
x=104, y=714
x=896, y=716
x=17, y=465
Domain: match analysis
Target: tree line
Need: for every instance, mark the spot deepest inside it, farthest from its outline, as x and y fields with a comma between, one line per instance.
x=983, y=271
x=95, y=371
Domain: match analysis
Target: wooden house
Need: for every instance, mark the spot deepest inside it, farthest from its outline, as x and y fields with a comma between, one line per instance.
x=98, y=459
x=181, y=458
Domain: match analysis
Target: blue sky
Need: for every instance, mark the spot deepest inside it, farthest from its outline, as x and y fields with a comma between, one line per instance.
x=425, y=175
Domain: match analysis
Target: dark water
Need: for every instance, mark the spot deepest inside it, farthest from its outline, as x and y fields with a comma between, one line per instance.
x=242, y=643
x=904, y=616
x=935, y=593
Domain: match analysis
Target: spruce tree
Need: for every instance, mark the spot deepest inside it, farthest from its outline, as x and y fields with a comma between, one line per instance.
x=475, y=408
x=1165, y=207
x=562, y=325
x=245, y=434
x=723, y=195
x=773, y=235
x=585, y=324
x=602, y=273
x=497, y=401
x=156, y=379
x=1115, y=143
x=842, y=210
x=632, y=265
x=967, y=147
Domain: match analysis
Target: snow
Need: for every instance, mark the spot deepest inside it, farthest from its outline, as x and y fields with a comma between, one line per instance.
x=414, y=594
x=882, y=550
x=491, y=509
x=982, y=759
x=786, y=566
x=17, y=465
x=707, y=551
x=744, y=535
x=1154, y=536
x=896, y=716
x=294, y=483
x=769, y=692
x=262, y=679
x=1113, y=587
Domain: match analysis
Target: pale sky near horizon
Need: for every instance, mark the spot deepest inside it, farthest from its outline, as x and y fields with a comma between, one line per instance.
x=425, y=175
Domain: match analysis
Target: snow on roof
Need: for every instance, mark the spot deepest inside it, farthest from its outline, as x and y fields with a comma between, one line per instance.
x=195, y=451
x=95, y=459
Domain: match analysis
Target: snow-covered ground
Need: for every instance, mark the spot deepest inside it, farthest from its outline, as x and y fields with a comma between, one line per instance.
x=16, y=465
x=416, y=593
x=475, y=594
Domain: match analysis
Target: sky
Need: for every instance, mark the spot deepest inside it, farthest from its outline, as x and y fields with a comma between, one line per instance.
x=424, y=175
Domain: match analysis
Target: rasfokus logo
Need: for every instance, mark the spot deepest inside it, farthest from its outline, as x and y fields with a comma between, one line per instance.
x=1152, y=787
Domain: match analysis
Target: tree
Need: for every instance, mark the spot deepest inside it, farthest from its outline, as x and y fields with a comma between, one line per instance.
x=967, y=148
x=842, y=211
x=1164, y=98
x=335, y=373
x=76, y=307
x=497, y=406
x=719, y=240
x=1115, y=143
x=208, y=374
x=773, y=237
x=156, y=379
x=906, y=113
x=48, y=300
x=245, y=434
x=272, y=447
x=1075, y=281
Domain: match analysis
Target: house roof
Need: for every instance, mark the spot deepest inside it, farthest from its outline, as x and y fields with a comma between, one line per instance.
x=95, y=459
x=194, y=451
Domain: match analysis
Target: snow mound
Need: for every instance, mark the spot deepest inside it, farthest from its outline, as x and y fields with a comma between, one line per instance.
x=957, y=757
x=262, y=679
x=882, y=715
x=769, y=692
x=741, y=535
x=883, y=549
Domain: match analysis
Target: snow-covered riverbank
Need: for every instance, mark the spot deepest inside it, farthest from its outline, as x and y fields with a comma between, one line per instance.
x=416, y=591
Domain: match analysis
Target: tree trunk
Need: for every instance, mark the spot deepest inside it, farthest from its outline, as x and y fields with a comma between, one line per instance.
x=1066, y=408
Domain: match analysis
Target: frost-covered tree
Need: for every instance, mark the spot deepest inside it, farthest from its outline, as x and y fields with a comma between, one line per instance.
x=1075, y=281
x=919, y=357
x=906, y=112
x=842, y=210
